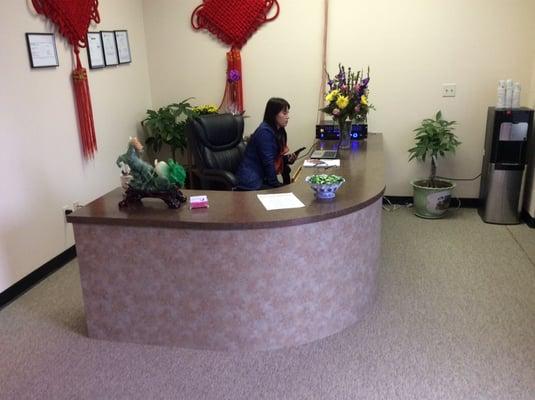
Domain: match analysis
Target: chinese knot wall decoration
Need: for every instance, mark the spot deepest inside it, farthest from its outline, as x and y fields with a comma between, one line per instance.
x=72, y=19
x=233, y=22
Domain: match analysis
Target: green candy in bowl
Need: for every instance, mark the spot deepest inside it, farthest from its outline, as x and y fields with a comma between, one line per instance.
x=325, y=186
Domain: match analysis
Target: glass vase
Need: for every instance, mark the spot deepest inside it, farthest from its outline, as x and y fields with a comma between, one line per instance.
x=345, y=134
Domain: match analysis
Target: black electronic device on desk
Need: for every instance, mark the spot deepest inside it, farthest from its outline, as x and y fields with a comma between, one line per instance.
x=329, y=131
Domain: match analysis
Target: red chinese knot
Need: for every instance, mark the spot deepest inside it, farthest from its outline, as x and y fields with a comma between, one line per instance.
x=233, y=22
x=72, y=19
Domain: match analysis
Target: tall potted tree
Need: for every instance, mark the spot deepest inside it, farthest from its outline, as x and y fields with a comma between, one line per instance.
x=434, y=138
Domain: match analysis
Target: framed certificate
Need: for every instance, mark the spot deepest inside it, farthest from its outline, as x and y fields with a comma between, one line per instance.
x=42, y=50
x=110, y=48
x=123, y=47
x=95, y=51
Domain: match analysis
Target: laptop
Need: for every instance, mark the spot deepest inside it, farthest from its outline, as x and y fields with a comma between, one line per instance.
x=326, y=154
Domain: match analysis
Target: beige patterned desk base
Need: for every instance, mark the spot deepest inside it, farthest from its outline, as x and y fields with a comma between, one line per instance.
x=255, y=289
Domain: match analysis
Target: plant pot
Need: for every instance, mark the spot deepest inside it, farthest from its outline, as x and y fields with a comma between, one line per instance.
x=326, y=190
x=431, y=202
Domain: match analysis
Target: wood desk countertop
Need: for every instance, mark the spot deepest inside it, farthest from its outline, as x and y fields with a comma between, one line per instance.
x=362, y=166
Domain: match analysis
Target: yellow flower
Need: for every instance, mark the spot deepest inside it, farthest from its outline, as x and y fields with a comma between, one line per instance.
x=205, y=109
x=342, y=102
x=332, y=95
x=364, y=100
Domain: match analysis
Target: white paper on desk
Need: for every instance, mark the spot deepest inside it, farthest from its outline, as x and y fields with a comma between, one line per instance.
x=321, y=163
x=279, y=201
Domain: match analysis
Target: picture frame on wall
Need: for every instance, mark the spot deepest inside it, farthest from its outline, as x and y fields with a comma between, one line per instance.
x=109, y=46
x=123, y=46
x=42, y=50
x=95, y=50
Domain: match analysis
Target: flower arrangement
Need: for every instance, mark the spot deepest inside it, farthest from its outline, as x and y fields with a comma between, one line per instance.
x=348, y=96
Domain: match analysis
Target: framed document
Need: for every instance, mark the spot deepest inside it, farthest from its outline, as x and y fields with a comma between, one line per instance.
x=110, y=48
x=42, y=50
x=123, y=47
x=95, y=52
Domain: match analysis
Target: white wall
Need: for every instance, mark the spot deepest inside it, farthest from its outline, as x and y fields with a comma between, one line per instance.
x=40, y=159
x=412, y=48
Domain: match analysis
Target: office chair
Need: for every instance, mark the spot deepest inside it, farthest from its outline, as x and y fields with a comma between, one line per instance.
x=216, y=143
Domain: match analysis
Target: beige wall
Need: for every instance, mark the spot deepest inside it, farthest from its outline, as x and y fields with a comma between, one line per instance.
x=279, y=60
x=412, y=48
x=40, y=159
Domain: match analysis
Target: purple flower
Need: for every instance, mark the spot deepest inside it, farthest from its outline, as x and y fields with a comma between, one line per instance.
x=336, y=112
x=234, y=75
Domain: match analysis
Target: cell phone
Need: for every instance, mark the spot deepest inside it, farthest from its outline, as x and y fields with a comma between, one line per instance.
x=299, y=150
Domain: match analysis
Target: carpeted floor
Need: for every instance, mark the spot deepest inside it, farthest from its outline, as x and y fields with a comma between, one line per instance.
x=454, y=319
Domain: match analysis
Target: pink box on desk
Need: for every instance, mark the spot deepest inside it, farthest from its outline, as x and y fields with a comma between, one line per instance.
x=198, y=202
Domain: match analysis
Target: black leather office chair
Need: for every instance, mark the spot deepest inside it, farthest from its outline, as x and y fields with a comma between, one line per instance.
x=217, y=146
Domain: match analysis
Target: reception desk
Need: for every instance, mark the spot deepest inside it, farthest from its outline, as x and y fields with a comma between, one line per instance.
x=234, y=276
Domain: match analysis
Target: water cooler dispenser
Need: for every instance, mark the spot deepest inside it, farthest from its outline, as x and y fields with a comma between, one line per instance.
x=528, y=205
x=504, y=163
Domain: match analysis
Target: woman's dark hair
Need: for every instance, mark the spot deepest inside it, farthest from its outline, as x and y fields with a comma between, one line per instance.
x=274, y=106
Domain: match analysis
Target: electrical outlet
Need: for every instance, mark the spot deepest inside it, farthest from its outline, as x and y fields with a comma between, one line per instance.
x=66, y=210
x=449, y=90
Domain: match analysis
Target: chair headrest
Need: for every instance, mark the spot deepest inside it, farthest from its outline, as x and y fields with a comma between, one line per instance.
x=219, y=131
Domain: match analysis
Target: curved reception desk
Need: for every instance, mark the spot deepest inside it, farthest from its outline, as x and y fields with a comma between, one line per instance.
x=234, y=276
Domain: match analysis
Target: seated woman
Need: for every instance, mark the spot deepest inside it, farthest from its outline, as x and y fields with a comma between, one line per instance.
x=266, y=152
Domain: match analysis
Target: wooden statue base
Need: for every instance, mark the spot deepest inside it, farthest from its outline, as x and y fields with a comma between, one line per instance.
x=173, y=198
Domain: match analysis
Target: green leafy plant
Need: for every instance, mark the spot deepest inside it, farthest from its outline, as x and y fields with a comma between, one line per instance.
x=167, y=126
x=434, y=138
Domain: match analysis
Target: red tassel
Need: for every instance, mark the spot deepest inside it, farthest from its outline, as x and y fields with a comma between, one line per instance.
x=239, y=87
x=72, y=19
x=233, y=96
x=84, y=109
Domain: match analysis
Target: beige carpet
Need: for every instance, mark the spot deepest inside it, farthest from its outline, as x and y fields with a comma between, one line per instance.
x=454, y=319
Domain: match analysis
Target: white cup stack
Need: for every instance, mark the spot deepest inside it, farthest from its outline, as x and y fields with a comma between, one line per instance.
x=508, y=94
x=516, y=95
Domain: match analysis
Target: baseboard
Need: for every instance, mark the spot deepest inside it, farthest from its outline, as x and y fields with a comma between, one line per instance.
x=403, y=200
x=26, y=283
x=528, y=219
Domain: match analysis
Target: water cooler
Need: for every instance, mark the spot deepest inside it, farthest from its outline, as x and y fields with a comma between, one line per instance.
x=504, y=162
x=528, y=205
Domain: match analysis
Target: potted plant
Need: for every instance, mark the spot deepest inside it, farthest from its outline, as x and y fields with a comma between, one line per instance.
x=434, y=138
x=167, y=126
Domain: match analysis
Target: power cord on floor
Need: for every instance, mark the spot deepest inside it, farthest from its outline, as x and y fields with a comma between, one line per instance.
x=393, y=207
x=459, y=205
x=459, y=179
